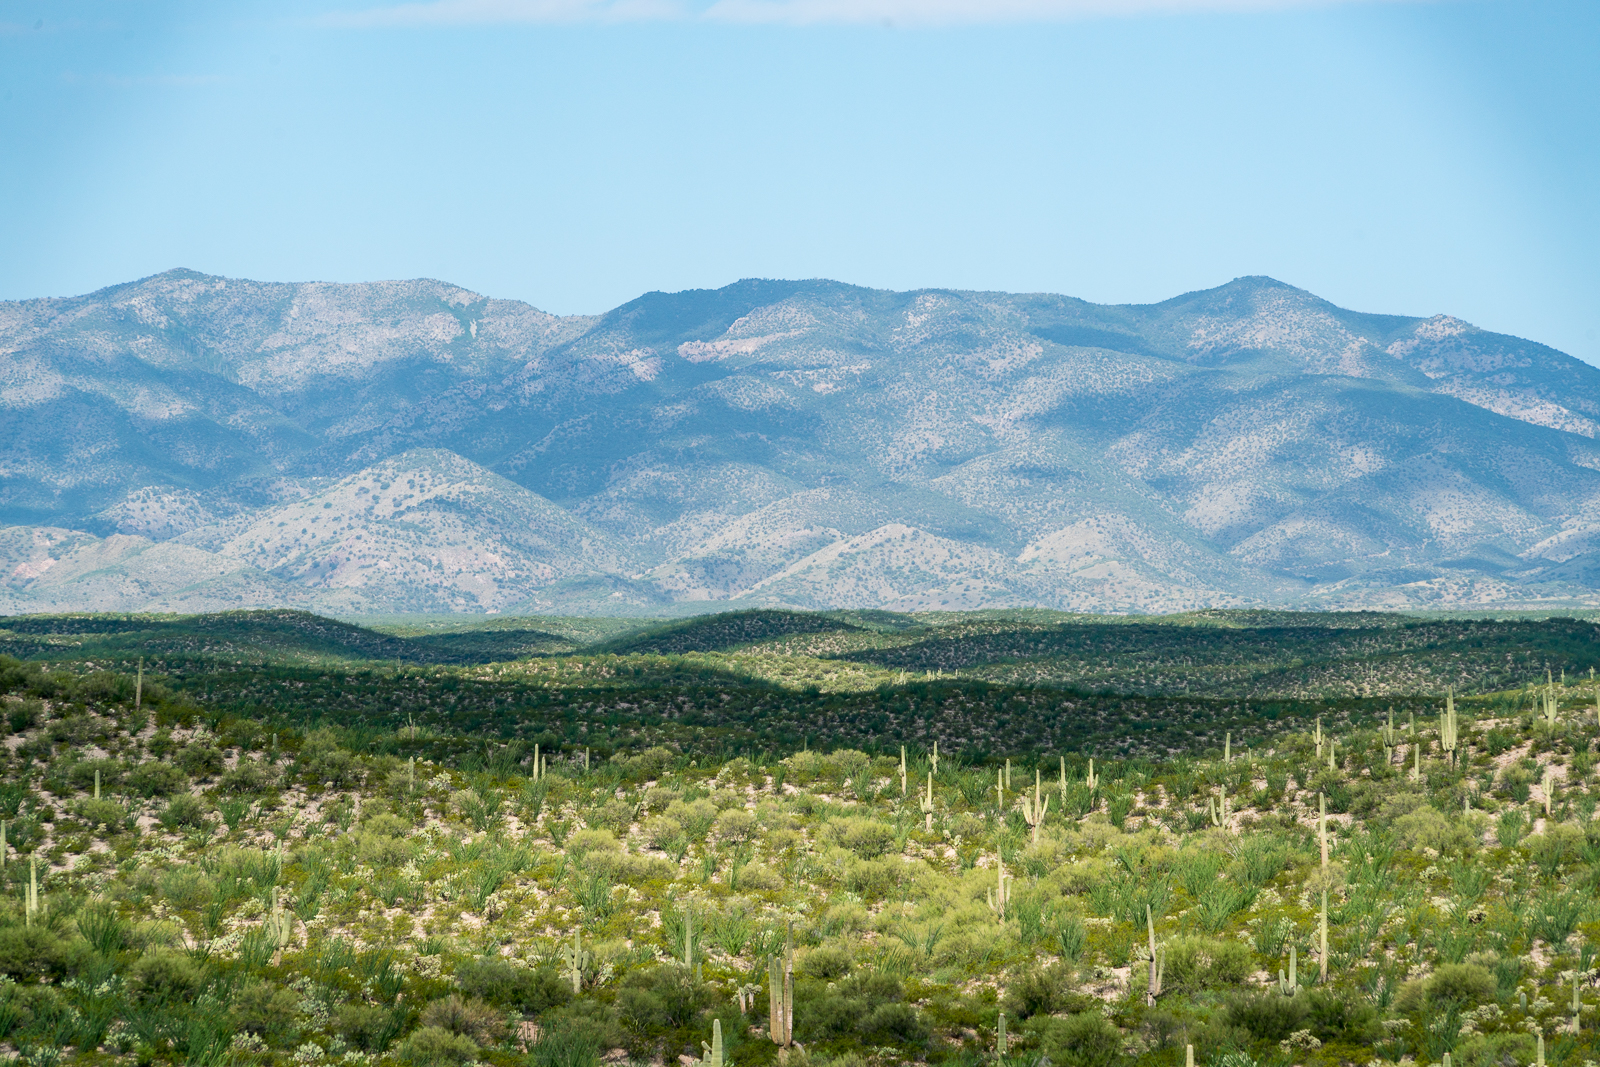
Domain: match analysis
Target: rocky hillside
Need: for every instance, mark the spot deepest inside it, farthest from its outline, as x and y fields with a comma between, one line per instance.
x=188, y=442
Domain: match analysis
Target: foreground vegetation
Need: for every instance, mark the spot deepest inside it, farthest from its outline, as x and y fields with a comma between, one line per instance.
x=280, y=845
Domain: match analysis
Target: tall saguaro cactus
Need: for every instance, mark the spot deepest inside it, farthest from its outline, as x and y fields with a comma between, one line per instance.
x=780, y=994
x=1000, y=895
x=1034, y=808
x=576, y=958
x=927, y=806
x=1322, y=940
x=712, y=1053
x=1289, y=984
x=1448, y=727
x=1158, y=960
x=1322, y=829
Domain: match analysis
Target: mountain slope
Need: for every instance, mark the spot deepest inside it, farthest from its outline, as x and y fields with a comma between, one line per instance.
x=802, y=443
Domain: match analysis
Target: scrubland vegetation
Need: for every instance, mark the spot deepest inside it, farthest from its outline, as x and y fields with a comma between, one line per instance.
x=702, y=840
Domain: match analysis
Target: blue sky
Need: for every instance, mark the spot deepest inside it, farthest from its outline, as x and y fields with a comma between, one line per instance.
x=1406, y=157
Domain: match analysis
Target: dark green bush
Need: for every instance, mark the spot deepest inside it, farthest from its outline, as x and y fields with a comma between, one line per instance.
x=32, y=952
x=433, y=1046
x=1333, y=1018
x=155, y=779
x=826, y=962
x=200, y=760
x=1043, y=991
x=527, y=989
x=1086, y=1039
x=565, y=1046
x=1269, y=1016
x=366, y=1026
x=1453, y=986
x=268, y=1010
x=470, y=1018
x=870, y=1006
x=164, y=975
x=183, y=812
x=662, y=1000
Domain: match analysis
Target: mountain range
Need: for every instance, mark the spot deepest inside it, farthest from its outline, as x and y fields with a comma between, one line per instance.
x=195, y=443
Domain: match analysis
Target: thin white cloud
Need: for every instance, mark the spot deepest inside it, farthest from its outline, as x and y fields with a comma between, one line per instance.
x=795, y=12
x=968, y=12
x=503, y=12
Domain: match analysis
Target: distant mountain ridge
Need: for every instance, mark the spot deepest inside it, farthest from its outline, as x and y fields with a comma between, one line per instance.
x=187, y=442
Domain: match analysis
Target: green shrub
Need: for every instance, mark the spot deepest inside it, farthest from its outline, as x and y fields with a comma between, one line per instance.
x=826, y=962
x=81, y=774
x=565, y=1046
x=696, y=817
x=736, y=826
x=433, y=1046
x=322, y=760
x=526, y=989
x=156, y=779
x=663, y=1000
x=1333, y=1018
x=871, y=1007
x=614, y=815
x=183, y=812
x=249, y=776
x=1453, y=986
x=165, y=975
x=1195, y=963
x=1495, y=1050
x=31, y=952
x=185, y=888
x=867, y=838
x=470, y=1018
x=366, y=1026
x=103, y=812
x=268, y=1010
x=1043, y=991
x=200, y=760
x=1268, y=1016
x=1086, y=1039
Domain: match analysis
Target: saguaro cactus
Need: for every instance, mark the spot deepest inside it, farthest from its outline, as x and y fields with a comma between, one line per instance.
x=1448, y=726
x=712, y=1053
x=780, y=994
x=1000, y=895
x=1322, y=829
x=1158, y=961
x=1289, y=984
x=927, y=806
x=1000, y=1036
x=1033, y=809
x=279, y=925
x=1322, y=940
x=902, y=770
x=576, y=958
